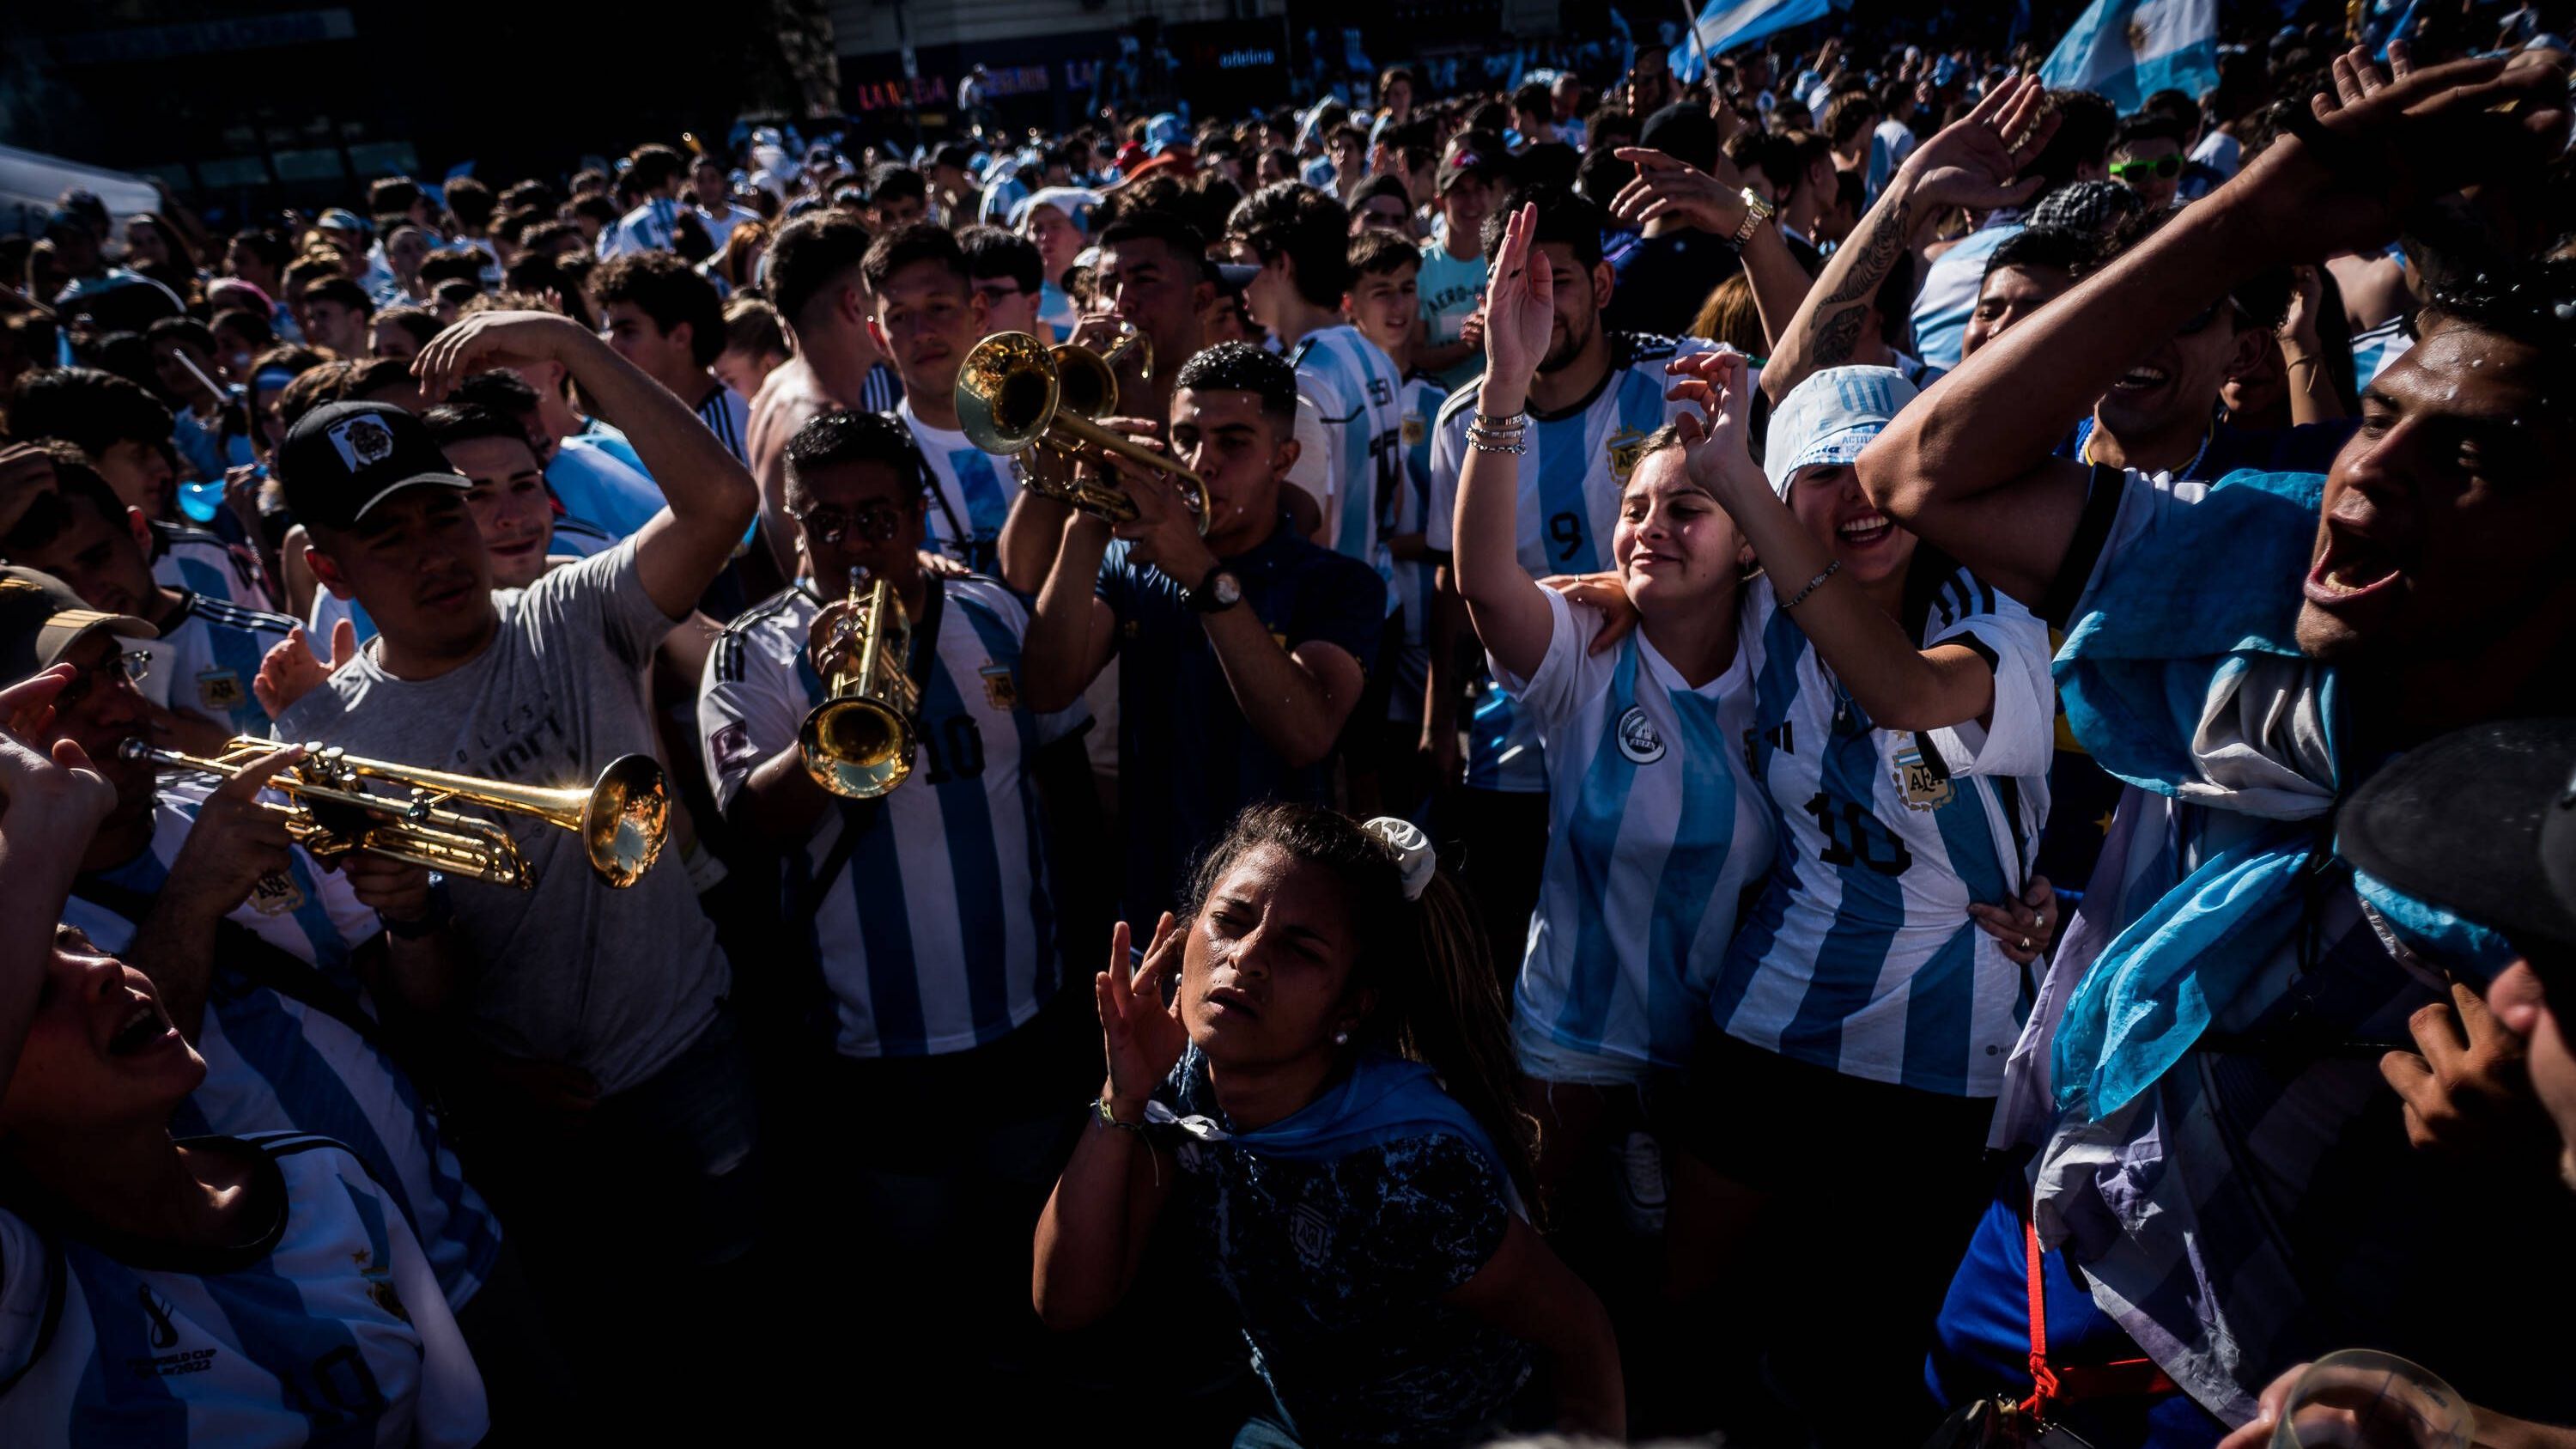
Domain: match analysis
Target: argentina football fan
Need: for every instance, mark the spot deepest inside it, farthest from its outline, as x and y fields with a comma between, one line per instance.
x=263, y=1286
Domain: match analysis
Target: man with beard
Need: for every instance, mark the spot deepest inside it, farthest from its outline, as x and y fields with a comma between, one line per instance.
x=2243, y=653
x=1597, y=397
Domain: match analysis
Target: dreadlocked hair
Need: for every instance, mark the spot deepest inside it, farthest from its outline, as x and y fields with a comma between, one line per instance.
x=1437, y=999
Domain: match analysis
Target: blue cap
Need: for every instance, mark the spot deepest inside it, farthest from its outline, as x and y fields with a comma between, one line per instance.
x=1829, y=418
x=1162, y=132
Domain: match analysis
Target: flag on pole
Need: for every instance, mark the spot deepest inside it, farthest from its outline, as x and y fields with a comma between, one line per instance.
x=1725, y=24
x=2127, y=50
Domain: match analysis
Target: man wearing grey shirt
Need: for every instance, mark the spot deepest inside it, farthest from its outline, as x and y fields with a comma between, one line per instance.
x=616, y=1103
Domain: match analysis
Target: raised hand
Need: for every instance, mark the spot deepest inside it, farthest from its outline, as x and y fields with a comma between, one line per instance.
x=2384, y=142
x=1716, y=447
x=488, y=340
x=1972, y=161
x=54, y=789
x=289, y=671
x=1520, y=306
x=1143, y=1036
x=1607, y=594
x=1666, y=187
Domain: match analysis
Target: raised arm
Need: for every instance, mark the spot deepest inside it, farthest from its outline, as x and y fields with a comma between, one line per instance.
x=1900, y=686
x=1071, y=630
x=1667, y=188
x=1969, y=163
x=1969, y=468
x=1507, y=608
x=708, y=499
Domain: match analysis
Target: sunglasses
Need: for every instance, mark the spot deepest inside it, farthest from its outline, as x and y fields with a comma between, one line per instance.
x=129, y=666
x=869, y=523
x=2163, y=168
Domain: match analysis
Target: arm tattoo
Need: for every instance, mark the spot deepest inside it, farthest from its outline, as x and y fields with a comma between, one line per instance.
x=1833, y=324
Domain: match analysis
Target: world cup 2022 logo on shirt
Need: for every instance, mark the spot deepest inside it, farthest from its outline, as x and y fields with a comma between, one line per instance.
x=1638, y=739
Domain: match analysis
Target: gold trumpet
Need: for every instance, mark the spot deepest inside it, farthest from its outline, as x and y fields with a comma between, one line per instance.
x=859, y=741
x=621, y=819
x=1087, y=378
x=1014, y=391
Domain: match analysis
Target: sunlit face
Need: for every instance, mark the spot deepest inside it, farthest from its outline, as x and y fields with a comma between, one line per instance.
x=2151, y=166
x=1383, y=213
x=1385, y=305
x=336, y=326
x=1266, y=969
x=417, y=564
x=1149, y=285
x=1675, y=547
x=2176, y=384
x=2448, y=513
x=1581, y=293
x=1868, y=544
x=2011, y=294
x=1466, y=204
x=743, y=371
x=1055, y=236
x=1238, y=451
x=927, y=319
x=100, y=1053
x=509, y=504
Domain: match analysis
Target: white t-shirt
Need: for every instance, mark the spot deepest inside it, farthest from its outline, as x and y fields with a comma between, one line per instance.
x=971, y=492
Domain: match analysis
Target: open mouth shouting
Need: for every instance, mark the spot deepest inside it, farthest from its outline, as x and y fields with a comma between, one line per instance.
x=2357, y=565
x=144, y=1029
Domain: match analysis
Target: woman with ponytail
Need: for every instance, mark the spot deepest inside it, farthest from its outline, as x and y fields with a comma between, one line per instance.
x=1326, y=1108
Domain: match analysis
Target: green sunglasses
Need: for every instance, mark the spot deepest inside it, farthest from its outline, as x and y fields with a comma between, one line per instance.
x=2163, y=168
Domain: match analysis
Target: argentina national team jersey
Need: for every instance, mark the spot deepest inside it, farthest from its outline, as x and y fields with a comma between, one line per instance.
x=1406, y=510
x=1353, y=385
x=1570, y=479
x=326, y=1329
x=972, y=497
x=208, y=654
x=939, y=933
x=276, y=1061
x=202, y=562
x=728, y=416
x=1861, y=956
x=1654, y=831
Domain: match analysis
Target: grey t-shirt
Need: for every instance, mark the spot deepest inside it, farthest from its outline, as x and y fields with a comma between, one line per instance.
x=617, y=982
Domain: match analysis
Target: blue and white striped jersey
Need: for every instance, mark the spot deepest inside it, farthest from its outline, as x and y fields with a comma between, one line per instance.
x=1407, y=509
x=202, y=562
x=276, y=1062
x=939, y=934
x=645, y=229
x=727, y=414
x=1570, y=479
x=971, y=493
x=1861, y=955
x=328, y=1329
x=1353, y=386
x=2376, y=347
x=1654, y=831
x=208, y=654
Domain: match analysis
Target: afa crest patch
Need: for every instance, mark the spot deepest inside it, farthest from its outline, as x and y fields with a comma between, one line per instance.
x=1001, y=689
x=1624, y=449
x=1638, y=738
x=1413, y=430
x=1922, y=783
x=219, y=691
x=276, y=894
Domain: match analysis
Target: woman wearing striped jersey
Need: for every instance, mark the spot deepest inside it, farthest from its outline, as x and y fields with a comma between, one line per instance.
x=1324, y=1114
x=1903, y=723
x=259, y=1290
x=1655, y=829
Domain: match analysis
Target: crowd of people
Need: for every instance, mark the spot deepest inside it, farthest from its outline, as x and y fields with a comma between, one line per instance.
x=1861, y=753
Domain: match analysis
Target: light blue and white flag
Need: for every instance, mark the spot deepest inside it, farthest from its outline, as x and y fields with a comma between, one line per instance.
x=1726, y=24
x=2127, y=50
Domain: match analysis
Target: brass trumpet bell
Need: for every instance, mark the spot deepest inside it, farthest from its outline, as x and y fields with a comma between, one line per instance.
x=859, y=742
x=1014, y=392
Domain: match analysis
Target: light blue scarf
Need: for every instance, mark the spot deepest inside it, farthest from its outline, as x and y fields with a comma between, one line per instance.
x=1383, y=1099
x=2184, y=677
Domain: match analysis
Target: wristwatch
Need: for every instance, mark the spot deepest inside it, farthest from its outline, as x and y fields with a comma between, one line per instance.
x=1756, y=212
x=1216, y=593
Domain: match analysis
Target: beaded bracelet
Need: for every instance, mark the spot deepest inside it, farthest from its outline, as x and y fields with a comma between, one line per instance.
x=1483, y=444
x=1814, y=584
x=1502, y=424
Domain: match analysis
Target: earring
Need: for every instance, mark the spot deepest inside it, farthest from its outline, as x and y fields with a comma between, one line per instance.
x=1342, y=1037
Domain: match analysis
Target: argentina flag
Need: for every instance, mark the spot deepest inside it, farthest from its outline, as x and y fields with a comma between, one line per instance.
x=1726, y=24
x=2127, y=50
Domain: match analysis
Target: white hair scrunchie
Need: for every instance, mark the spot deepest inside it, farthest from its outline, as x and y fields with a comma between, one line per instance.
x=1414, y=857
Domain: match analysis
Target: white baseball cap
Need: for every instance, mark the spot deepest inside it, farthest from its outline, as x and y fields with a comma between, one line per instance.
x=1829, y=418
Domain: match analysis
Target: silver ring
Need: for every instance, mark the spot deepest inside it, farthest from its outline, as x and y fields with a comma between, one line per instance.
x=2025, y=943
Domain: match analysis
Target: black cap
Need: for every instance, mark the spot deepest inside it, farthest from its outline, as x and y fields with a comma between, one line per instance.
x=342, y=460
x=2481, y=823
x=1467, y=160
x=41, y=619
x=1684, y=131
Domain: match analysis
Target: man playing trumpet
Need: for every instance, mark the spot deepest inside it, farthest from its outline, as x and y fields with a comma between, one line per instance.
x=619, y=1127
x=932, y=908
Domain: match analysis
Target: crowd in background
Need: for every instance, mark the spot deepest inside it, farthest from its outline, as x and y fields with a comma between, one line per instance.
x=1852, y=752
